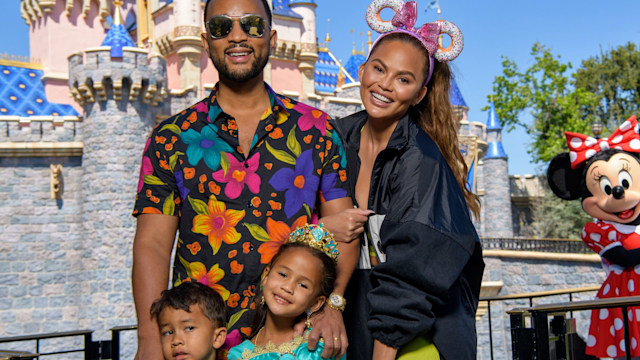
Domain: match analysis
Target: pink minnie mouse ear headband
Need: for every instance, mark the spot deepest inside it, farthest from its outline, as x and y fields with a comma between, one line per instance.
x=583, y=147
x=403, y=21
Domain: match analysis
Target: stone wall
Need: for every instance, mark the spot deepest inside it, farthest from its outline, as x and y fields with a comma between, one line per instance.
x=533, y=272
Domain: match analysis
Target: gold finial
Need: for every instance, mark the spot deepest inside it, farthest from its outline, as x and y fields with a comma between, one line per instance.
x=117, y=14
x=327, y=38
x=369, y=43
x=353, y=52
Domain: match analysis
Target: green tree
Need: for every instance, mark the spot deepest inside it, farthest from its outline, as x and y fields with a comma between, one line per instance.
x=614, y=78
x=545, y=89
x=557, y=218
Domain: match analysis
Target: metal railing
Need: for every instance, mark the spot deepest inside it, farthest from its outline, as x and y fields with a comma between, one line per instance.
x=538, y=347
x=530, y=297
x=92, y=349
x=569, y=246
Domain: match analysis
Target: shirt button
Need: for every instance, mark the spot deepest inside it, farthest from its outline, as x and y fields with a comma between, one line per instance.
x=249, y=204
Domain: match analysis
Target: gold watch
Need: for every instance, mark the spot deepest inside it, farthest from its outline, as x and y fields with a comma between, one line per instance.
x=337, y=302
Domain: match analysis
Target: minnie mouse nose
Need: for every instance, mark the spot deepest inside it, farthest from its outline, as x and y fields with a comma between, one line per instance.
x=618, y=192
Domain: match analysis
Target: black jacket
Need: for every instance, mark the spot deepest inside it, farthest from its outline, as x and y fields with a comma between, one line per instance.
x=430, y=282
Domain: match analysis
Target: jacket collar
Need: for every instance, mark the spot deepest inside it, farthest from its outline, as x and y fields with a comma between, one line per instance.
x=398, y=140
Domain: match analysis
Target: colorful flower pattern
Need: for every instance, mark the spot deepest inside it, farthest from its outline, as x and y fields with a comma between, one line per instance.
x=235, y=212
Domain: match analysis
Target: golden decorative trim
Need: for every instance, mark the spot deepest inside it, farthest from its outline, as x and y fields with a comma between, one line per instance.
x=535, y=255
x=57, y=185
x=41, y=149
x=286, y=348
x=20, y=61
x=187, y=30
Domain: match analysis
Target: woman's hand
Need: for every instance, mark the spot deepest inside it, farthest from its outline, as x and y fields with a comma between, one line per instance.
x=346, y=225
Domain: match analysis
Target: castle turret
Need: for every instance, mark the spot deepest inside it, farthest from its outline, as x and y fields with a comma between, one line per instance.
x=186, y=41
x=309, y=50
x=120, y=91
x=496, y=210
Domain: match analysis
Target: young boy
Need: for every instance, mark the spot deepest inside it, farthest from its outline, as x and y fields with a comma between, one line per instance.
x=191, y=318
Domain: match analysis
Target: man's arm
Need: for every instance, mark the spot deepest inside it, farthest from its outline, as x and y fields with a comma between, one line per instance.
x=152, y=247
x=329, y=324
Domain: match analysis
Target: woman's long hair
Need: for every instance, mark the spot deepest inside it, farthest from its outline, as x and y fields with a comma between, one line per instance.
x=436, y=118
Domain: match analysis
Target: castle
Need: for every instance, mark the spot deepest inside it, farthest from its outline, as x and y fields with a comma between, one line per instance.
x=73, y=127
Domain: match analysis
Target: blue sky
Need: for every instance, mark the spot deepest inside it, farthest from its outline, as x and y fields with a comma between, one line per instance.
x=573, y=29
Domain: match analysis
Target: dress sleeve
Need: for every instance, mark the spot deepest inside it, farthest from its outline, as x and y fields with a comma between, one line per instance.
x=600, y=237
x=428, y=239
x=157, y=189
x=333, y=181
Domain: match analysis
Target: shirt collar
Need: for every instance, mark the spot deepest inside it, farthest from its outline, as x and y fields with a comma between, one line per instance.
x=275, y=100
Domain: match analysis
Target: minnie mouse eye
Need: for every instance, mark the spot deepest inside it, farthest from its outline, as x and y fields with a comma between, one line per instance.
x=605, y=185
x=625, y=179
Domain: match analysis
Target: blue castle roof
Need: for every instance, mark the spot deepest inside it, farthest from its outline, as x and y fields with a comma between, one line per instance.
x=22, y=94
x=326, y=73
x=117, y=37
x=455, y=96
x=495, y=151
x=353, y=65
x=281, y=7
x=493, y=122
x=302, y=2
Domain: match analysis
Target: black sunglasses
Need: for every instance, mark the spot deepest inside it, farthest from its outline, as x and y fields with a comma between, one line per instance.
x=220, y=26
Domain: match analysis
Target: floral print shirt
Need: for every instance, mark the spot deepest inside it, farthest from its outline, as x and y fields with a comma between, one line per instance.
x=235, y=212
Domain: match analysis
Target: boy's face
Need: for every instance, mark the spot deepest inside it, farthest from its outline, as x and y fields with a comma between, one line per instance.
x=189, y=335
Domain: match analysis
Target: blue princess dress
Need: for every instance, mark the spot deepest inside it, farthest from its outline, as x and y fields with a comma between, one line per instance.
x=295, y=350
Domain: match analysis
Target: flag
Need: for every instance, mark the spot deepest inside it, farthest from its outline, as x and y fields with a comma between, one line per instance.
x=471, y=177
x=433, y=4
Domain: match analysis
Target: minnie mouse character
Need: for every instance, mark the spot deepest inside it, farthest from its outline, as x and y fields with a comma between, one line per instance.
x=605, y=173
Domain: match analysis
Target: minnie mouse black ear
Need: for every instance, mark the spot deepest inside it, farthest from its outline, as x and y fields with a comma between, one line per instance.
x=564, y=181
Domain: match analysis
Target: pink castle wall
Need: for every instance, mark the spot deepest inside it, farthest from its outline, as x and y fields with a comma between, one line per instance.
x=56, y=36
x=209, y=74
x=285, y=75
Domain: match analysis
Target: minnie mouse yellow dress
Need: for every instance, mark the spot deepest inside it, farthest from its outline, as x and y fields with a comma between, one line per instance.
x=606, y=332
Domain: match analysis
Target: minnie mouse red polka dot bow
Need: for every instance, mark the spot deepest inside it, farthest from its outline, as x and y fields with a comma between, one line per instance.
x=583, y=147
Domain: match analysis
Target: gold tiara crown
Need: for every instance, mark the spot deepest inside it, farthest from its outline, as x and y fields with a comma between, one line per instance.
x=317, y=237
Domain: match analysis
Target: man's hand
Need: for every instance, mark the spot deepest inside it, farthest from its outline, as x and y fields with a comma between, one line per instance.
x=328, y=325
x=347, y=225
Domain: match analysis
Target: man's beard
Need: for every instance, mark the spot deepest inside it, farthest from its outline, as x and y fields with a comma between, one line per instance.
x=256, y=68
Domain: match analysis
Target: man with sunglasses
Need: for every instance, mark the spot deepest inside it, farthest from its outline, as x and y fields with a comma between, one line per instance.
x=235, y=173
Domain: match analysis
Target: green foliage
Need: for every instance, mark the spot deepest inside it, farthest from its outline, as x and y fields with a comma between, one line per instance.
x=546, y=90
x=614, y=78
x=557, y=218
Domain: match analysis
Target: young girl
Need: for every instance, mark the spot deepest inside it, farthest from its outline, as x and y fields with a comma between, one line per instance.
x=415, y=292
x=295, y=284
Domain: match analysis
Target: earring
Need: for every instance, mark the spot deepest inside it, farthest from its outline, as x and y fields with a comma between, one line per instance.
x=308, y=322
x=262, y=300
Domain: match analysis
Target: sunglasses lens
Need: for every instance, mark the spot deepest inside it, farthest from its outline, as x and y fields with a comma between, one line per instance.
x=219, y=26
x=253, y=25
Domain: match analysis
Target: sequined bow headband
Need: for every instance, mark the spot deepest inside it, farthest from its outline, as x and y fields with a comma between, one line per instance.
x=404, y=20
x=583, y=147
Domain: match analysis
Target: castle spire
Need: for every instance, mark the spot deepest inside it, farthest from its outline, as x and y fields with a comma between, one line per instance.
x=117, y=13
x=118, y=36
